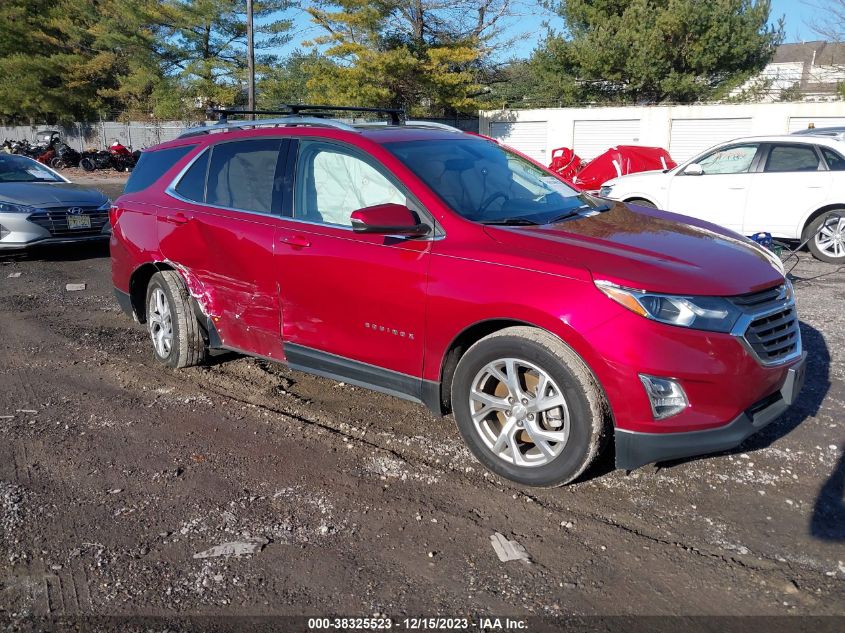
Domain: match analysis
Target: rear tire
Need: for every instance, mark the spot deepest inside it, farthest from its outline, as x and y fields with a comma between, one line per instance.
x=57, y=163
x=545, y=427
x=88, y=164
x=174, y=330
x=826, y=236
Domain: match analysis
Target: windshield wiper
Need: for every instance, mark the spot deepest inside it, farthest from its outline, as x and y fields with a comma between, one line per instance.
x=578, y=211
x=512, y=222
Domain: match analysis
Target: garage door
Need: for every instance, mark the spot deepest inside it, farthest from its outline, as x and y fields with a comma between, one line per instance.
x=529, y=137
x=591, y=138
x=691, y=136
x=797, y=123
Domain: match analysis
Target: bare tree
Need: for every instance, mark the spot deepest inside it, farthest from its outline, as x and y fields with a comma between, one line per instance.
x=828, y=19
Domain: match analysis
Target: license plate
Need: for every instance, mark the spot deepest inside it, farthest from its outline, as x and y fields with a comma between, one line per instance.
x=79, y=221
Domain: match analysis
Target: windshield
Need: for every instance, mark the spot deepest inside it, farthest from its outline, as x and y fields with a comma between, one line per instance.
x=484, y=182
x=21, y=169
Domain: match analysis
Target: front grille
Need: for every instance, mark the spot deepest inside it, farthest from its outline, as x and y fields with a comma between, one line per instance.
x=776, y=336
x=55, y=221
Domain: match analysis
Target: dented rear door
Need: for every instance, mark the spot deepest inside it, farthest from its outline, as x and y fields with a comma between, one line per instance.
x=220, y=236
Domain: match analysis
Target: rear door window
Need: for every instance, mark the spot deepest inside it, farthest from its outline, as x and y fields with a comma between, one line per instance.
x=153, y=165
x=792, y=158
x=243, y=175
x=192, y=184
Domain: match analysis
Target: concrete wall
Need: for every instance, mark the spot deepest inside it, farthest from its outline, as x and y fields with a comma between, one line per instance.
x=655, y=127
x=137, y=134
x=82, y=136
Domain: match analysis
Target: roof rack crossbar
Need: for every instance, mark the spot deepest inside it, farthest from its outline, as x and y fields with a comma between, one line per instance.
x=279, y=122
x=396, y=115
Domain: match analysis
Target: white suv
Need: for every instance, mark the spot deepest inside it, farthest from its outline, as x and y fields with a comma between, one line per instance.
x=790, y=186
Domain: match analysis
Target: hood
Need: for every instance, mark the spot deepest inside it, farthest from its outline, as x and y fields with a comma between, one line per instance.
x=50, y=194
x=644, y=176
x=651, y=250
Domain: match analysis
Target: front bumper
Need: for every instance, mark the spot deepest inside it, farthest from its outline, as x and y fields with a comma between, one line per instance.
x=49, y=227
x=635, y=449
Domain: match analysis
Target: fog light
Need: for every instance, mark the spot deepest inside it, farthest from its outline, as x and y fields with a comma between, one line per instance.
x=667, y=397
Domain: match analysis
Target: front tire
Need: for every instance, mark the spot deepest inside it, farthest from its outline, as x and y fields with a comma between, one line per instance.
x=528, y=407
x=88, y=164
x=827, y=237
x=641, y=202
x=174, y=330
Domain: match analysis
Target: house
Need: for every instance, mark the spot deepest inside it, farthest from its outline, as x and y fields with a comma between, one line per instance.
x=800, y=71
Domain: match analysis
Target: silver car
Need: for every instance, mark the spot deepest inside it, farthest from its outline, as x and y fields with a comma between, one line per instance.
x=39, y=206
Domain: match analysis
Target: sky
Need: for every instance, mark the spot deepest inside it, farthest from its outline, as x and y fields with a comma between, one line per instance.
x=528, y=28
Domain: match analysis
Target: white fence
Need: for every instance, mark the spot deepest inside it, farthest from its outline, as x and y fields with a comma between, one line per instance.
x=683, y=130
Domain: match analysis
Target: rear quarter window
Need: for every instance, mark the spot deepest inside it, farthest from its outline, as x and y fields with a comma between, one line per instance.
x=153, y=165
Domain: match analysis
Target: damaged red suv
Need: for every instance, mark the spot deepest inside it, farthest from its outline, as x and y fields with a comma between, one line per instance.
x=444, y=268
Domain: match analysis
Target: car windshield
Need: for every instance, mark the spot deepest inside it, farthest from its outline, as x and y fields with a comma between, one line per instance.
x=487, y=183
x=21, y=169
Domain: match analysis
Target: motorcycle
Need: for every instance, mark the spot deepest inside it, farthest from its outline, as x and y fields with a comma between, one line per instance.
x=117, y=156
x=95, y=159
x=65, y=156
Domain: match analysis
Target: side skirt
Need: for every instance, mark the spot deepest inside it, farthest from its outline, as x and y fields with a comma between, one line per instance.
x=354, y=372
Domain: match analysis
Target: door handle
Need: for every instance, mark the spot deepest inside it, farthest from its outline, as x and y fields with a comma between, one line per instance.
x=736, y=188
x=296, y=241
x=177, y=218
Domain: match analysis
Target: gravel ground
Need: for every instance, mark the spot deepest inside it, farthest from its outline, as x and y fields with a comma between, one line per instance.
x=115, y=473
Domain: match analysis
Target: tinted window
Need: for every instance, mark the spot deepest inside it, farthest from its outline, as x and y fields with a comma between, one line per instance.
x=332, y=183
x=730, y=160
x=792, y=158
x=483, y=181
x=834, y=161
x=152, y=166
x=192, y=184
x=242, y=175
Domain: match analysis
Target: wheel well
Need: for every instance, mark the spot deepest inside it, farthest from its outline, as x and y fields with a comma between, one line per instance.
x=138, y=287
x=635, y=199
x=461, y=344
x=815, y=214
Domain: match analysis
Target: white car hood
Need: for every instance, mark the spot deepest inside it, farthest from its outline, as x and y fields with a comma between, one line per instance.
x=644, y=178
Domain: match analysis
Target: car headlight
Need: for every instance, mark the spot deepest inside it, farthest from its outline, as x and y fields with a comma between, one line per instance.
x=11, y=207
x=105, y=206
x=714, y=314
x=605, y=191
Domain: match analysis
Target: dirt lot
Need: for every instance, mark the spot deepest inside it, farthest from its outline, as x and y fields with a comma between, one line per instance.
x=115, y=472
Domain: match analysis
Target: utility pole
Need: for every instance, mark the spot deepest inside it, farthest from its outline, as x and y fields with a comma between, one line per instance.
x=250, y=58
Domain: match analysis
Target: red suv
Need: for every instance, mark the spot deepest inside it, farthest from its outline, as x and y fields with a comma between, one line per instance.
x=447, y=269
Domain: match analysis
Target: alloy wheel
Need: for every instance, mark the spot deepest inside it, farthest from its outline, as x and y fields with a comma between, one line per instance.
x=519, y=412
x=830, y=238
x=160, y=322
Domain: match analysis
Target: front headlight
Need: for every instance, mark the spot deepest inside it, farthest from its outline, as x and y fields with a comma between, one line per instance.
x=11, y=207
x=605, y=191
x=105, y=206
x=713, y=314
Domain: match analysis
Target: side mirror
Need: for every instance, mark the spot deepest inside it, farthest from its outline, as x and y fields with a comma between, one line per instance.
x=694, y=169
x=388, y=219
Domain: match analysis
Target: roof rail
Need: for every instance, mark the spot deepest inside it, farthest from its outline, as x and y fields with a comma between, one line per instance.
x=287, y=121
x=396, y=115
x=414, y=123
x=435, y=125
